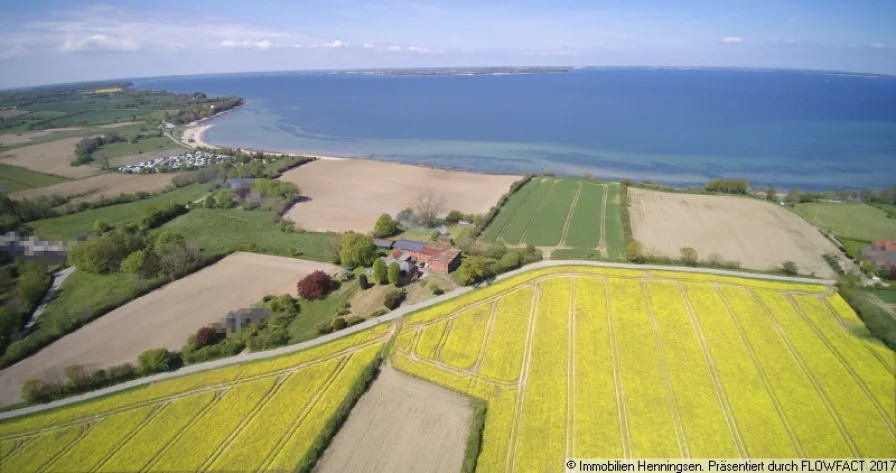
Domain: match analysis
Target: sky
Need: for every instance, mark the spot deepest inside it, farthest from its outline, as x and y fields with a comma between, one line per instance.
x=49, y=41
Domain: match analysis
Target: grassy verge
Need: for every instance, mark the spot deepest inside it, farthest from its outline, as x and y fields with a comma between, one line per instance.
x=68, y=227
x=338, y=418
x=304, y=327
x=219, y=231
x=474, y=438
x=880, y=323
x=577, y=253
x=15, y=179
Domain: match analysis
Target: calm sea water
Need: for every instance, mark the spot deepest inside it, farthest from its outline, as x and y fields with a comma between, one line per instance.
x=680, y=127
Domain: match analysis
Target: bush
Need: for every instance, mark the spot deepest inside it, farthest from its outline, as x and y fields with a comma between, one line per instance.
x=379, y=312
x=338, y=323
x=394, y=273
x=789, y=268
x=384, y=226
x=454, y=216
x=206, y=336
x=436, y=290
x=728, y=186
x=324, y=328
x=422, y=282
x=356, y=249
x=379, y=271
x=354, y=320
x=362, y=281
x=393, y=298
x=689, y=256
x=315, y=285
x=634, y=251
x=155, y=360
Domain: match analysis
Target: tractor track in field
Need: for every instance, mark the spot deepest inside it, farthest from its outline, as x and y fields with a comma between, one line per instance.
x=572, y=209
x=437, y=353
x=621, y=410
x=736, y=436
x=671, y=400
x=794, y=441
x=127, y=438
x=849, y=369
x=83, y=433
x=155, y=459
x=571, y=371
x=538, y=211
x=522, y=382
x=822, y=395
x=602, y=245
x=301, y=418
x=480, y=358
x=243, y=423
x=500, y=235
x=846, y=328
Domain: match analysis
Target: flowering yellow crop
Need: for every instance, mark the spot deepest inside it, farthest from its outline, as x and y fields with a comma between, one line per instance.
x=430, y=338
x=504, y=356
x=855, y=409
x=465, y=337
x=735, y=281
x=429, y=372
x=96, y=445
x=542, y=435
x=262, y=434
x=405, y=341
x=36, y=453
x=854, y=325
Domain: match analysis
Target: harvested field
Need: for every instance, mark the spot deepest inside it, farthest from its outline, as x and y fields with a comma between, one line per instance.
x=759, y=234
x=11, y=113
x=349, y=194
x=107, y=184
x=52, y=158
x=17, y=139
x=162, y=318
x=401, y=424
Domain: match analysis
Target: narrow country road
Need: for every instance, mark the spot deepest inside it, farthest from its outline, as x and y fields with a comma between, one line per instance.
x=395, y=314
x=58, y=278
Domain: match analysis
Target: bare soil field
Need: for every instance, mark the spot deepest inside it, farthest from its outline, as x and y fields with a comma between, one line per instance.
x=11, y=113
x=108, y=184
x=349, y=194
x=52, y=158
x=759, y=234
x=162, y=318
x=401, y=424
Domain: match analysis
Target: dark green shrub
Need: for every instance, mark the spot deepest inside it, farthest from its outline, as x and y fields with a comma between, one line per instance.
x=155, y=360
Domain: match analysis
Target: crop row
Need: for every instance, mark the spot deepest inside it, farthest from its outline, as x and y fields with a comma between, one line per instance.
x=504, y=214
x=547, y=226
x=736, y=281
x=587, y=218
x=516, y=228
x=504, y=356
x=462, y=345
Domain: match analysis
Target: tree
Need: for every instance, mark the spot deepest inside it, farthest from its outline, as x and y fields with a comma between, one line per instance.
x=771, y=194
x=454, y=216
x=225, y=198
x=689, y=256
x=634, y=251
x=393, y=298
x=207, y=336
x=473, y=270
x=379, y=271
x=362, y=282
x=394, y=273
x=793, y=196
x=789, y=268
x=155, y=360
x=177, y=260
x=356, y=249
x=100, y=226
x=427, y=207
x=133, y=264
x=384, y=226
x=728, y=186
x=315, y=285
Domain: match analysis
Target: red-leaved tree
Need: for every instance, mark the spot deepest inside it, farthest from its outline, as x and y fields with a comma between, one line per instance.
x=206, y=336
x=315, y=285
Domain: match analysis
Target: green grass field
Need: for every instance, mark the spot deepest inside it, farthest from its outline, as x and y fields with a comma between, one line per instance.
x=887, y=296
x=852, y=221
x=221, y=231
x=125, y=148
x=95, y=117
x=69, y=106
x=67, y=227
x=539, y=212
x=15, y=179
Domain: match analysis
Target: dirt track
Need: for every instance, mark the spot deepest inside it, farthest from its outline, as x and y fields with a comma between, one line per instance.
x=162, y=318
x=109, y=184
x=759, y=234
x=349, y=194
x=401, y=424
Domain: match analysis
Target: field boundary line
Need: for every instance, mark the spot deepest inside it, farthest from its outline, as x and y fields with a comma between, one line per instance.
x=301, y=418
x=849, y=369
x=500, y=235
x=199, y=390
x=133, y=433
x=602, y=244
x=716, y=380
x=842, y=324
x=621, y=409
x=798, y=449
x=671, y=400
x=794, y=353
x=451, y=369
x=83, y=433
x=480, y=358
x=437, y=354
x=522, y=383
x=388, y=318
x=242, y=425
x=155, y=459
x=571, y=370
x=572, y=209
x=538, y=211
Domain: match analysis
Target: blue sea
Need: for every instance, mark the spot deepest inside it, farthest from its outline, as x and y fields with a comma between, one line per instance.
x=681, y=127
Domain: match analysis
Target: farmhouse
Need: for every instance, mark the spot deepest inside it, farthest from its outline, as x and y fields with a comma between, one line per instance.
x=882, y=254
x=438, y=260
x=237, y=319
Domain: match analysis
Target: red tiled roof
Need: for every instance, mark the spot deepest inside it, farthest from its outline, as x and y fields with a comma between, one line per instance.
x=885, y=245
x=440, y=253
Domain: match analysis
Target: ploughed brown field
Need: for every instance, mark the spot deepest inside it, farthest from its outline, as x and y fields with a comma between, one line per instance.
x=108, y=184
x=349, y=194
x=401, y=424
x=761, y=235
x=162, y=318
x=51, y=158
